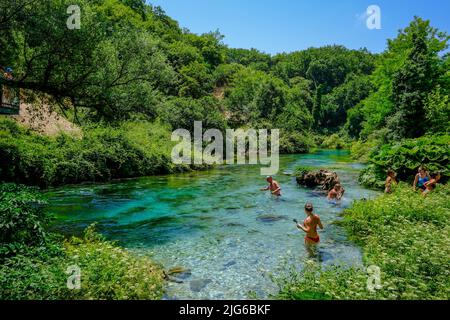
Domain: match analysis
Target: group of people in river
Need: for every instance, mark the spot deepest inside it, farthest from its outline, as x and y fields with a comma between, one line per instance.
x=312, y=220
x=424, y=181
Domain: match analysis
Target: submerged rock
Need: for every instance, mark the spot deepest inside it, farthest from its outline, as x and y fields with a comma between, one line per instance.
x=270, y=217
x=229, y=264
x=234, y=224
x=198, y=284
x=322, y=178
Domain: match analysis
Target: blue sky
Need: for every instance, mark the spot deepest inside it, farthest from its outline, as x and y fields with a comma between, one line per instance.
x=275, y=26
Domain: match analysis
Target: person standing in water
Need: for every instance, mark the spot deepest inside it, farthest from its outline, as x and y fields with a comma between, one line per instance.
x=336, y=193
x=310, y=225
x=273, y=186
x=421, y=178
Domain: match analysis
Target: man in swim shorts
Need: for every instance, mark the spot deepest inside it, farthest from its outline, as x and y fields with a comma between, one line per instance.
x=273, y=186
x=310, y=225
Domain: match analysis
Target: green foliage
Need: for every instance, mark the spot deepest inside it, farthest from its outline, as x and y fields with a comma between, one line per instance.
x=404, y=234
x=23, y=221
x=411, y=85
x=249, y=58
x=437, y=112
x=107, y=272
x=406, y=73
x=361, y=151
x=406, y=156
x=34, y=261
x=225, y=73
x=196, y=81
x=335, y=141
x=296, y=142
x=115, y=68
x=180, y=113
x=132, y=149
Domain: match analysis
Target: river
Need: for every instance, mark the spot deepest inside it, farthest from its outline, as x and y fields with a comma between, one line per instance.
x=216, y=223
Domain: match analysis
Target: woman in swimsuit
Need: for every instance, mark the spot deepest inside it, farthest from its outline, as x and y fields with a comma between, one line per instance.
x=310, y=225
x=421, y=178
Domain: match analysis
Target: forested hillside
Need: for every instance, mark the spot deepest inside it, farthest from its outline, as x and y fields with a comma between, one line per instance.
x=130, y=75
x=131, y=62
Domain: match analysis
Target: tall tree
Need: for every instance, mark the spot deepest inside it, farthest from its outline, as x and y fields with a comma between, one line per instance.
x=411, y=86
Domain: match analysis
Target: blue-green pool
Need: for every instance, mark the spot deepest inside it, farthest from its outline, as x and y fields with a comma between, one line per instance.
x=216, y=223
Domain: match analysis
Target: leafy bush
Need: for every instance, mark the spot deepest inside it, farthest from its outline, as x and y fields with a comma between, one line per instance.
x=404, y=234
x=103, y=153
x=334, y=142
x=34, y=262
x=406, y=156
x=295, y=142
x=361, y=151
x=107, y=272
x=22, y=219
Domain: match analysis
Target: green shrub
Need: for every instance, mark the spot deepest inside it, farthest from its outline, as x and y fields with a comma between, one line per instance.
x=334, y=142
x=23, y=221
x=404, y=234
x=133, y=149
x=295, y=142
x=107, y=272
x=361, y=151
x=406, y=156
x=34, y=262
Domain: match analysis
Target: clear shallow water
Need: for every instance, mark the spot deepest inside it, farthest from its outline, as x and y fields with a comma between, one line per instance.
x=216, y=223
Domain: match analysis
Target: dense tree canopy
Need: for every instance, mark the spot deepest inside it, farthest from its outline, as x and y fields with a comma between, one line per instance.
x=129, y=57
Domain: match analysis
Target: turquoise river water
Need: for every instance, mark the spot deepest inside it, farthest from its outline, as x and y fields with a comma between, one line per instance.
x=231, y=236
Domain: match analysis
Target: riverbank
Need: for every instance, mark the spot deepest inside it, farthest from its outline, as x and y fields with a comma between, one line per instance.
x=214, y=223
x=131, y=149
x=40, y=265
x=404, y=234
x=223, y=244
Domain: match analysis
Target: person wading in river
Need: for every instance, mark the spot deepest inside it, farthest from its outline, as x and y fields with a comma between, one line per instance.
x=310, y=225
x=273, y=186
x=336, y=193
